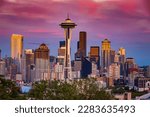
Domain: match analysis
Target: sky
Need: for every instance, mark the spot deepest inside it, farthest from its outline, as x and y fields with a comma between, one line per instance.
x=126, y=23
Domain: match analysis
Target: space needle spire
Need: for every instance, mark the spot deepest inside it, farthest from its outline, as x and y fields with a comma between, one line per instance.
x=67, y=25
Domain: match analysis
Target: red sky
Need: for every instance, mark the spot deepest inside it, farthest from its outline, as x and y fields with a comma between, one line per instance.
x=126, y=23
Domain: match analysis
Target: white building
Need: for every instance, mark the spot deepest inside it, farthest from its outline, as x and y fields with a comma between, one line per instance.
x=76, y=74
x=58, y=72
x=114, y=71
x=95, y=72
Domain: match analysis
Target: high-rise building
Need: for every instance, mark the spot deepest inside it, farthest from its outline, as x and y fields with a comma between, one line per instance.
x=82, y=43
x=86, y=68
x=68, y=25
x=52, y=61
x=129, y=64
x=58, y=72
x=81, y=46
x=61, y=53
x=29, y=55
x=0, y=54
x=95, y=55
x=112, y=56
x=105, y=53
x=116, y=59
x=114, y=71
x=132, y=75
x=2, y=67
x=61, y=49
x=148, y=71
x=23, y=68
x=62, y=44
x=42, y=63
x=32, y=72
x=12, y=71
x=77, y=65
x=122, y=51
x=94, y=72
x=122, y=60
x=8, y=61
x=130, y=60
x=29, y=60
x=16, y=46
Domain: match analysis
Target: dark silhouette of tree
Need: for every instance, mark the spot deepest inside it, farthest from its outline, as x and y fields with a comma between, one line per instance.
x=86, y=89
x=9, y=90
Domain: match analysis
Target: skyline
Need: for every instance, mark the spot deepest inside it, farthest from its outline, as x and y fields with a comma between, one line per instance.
x=125, y=23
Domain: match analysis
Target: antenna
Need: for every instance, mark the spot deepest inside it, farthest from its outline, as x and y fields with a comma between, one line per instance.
x=67, y=15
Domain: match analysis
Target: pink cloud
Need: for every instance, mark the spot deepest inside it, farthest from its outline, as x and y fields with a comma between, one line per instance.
x=107, y=16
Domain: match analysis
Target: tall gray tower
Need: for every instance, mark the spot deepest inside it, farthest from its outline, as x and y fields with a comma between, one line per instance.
x=68, y=25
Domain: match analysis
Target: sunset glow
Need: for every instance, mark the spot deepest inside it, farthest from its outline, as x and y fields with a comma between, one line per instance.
x=126, y=23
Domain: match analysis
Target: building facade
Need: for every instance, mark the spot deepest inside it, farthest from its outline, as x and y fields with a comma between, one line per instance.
x=42, y=63
x=29, y=61
x=16, y=46
x=0, y=54
x=122, y=60
x=2, y=68
x=105, y=53
x=94, y=55
x=114, y=71
x=81, y=46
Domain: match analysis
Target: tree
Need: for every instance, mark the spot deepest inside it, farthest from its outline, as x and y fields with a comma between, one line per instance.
x=86, y=89
x=9, y=90
x=118, y=90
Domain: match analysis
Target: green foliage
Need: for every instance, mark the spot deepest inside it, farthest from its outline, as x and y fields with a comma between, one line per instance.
x=118, y=90
x=78, y=90
x=136, y=94
x=9, y=90
x=86, y=89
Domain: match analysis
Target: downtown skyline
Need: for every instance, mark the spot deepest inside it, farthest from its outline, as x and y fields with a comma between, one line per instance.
x=125, y=23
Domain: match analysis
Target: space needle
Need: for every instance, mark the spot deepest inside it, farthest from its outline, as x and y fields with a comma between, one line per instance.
x=67, y=25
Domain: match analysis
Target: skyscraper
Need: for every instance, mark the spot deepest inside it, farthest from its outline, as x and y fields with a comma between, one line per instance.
x=59, y=67
x=61, y=53
x=29, y=57
x=122, y=51
x=148, y=71
x=122, y=60
x=105, y=53
x=61, y=49
x=42, y=63
x=114, y=71
x=62, y=44
x=16, y=46
x=112, y=56
x=68, y=25
x=94, y=55
x=0, y=54
x=86, y=68
x=81, y=46
x=2, y=67
x=129, y=64
x=13, y=71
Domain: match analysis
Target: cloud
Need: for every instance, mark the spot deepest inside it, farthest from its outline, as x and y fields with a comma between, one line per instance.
x=45, y=12
x=118, y=20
